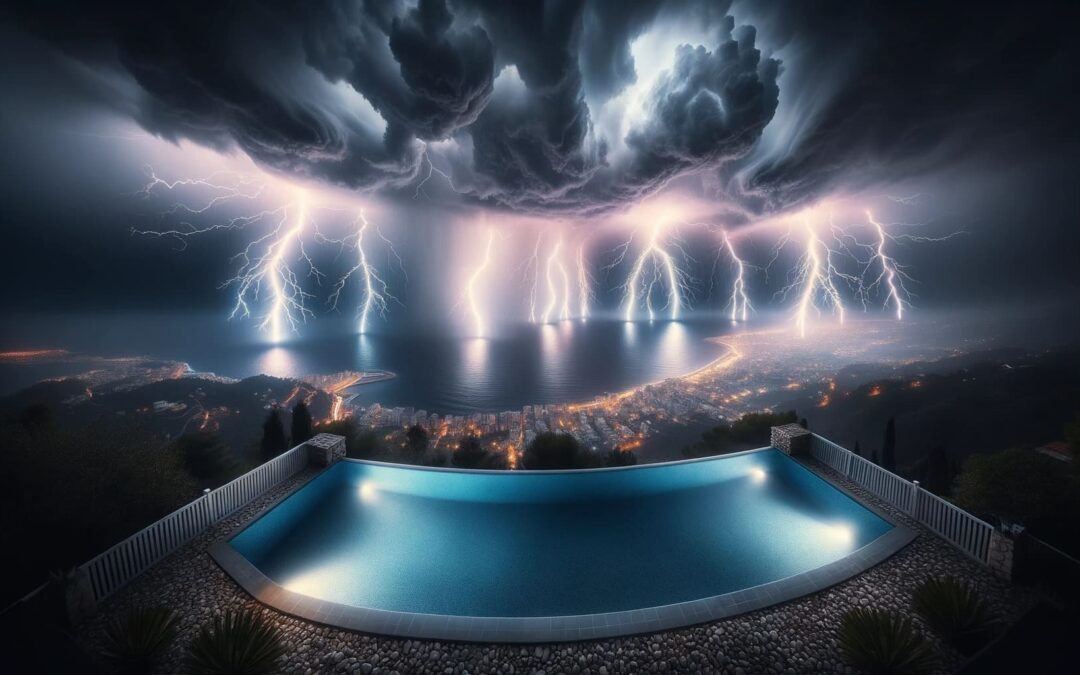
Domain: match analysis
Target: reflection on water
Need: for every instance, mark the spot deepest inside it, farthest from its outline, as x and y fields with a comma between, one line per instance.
x=475, y=359
x=536, y=364
x=278, y=361
x=524, y=364
x=673, y=346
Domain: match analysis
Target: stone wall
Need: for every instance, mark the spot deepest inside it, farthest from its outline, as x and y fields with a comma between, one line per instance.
x=790, y=439
x=1002, y=550
x=325, y=449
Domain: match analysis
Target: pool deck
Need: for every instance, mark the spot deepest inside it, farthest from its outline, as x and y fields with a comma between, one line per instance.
x=558, y=628
x=796, y=636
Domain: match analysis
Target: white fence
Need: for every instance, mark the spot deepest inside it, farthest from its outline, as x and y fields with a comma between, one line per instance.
x=955, y=525
x=125, y=561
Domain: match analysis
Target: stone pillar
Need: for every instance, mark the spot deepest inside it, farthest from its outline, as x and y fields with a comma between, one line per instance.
x=791, y=439
x=68, y=596
x=1001, y=557
x=325, y=449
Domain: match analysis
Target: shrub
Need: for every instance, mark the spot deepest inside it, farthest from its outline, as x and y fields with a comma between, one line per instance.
x=749, y=431
x=550, y=450
x=470, y=454
x=236, y=643
x=135, y=642
x=883, y=643
x=416, y=439
x=209, y=461
x=955, y=611
x=620, y=457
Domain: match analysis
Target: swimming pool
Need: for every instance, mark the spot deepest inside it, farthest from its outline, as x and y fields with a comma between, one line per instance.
x=501, y=555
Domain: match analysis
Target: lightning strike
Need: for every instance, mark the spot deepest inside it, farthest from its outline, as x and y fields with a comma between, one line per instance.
x=815, y=273
x=663, y=268
x=532, y=272
x=891, y=276
x=740, y=302
x=376, y=291
x=556, y=266
x=585, y=283
x=269, y=267
x=470, y=288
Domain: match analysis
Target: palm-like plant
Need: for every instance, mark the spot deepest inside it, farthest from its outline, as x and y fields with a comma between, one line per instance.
x=135, y=642
x=955, y=611
x=236, y=643
x=884, y=643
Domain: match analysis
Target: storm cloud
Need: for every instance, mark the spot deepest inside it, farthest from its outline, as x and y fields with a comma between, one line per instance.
x=574, y=107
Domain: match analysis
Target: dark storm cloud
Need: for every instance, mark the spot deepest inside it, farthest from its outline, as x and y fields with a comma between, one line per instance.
x=534, y=148
x=508, y=97
x=258, y=75
x=711, y=107
x=540, y=150
x=268, y=78
x=416, y=70
x=877, y=92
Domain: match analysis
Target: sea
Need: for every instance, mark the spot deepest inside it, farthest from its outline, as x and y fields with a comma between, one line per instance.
x=434, y=369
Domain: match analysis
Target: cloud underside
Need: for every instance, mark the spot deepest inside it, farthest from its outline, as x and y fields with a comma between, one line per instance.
x=562, y=107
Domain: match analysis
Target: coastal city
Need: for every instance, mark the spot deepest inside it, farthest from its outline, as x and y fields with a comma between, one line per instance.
x=754, y=372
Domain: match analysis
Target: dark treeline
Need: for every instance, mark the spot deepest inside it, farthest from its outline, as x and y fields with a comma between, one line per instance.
x=745, y=433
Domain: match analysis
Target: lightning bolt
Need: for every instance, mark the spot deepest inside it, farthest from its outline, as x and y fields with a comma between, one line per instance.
x=585, y=283
x=432, y=170
x=264, y=275
x=740, y=302
x=470, y=287
x=532, y=272
x=891, y=276
x=263, y=262
x=222, y=186
x=555, y=264
x=815, y=275
x=663, y=268
x=376, y=291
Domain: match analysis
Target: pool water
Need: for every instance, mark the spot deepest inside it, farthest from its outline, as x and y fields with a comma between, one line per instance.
x=527, y=544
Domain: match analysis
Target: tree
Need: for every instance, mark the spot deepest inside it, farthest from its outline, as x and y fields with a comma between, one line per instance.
x=273, y=439
x=416, y=438
x=359, y=443
x=888, y=447
x=554, y=451
x=88, y=487
x=301, y=423
x=1072, y=436
x=803, y=423
x=938, y=474
x=209, y=461
x=470, y=454
x=857, y=450
x=36, y=418
x=1017, y=485
x=749, y=431
x=620, y=457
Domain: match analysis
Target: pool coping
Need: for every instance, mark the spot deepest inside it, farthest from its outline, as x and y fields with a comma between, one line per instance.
x=556, y=628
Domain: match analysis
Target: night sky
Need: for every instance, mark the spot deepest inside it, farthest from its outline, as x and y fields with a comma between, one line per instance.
x=571, y=113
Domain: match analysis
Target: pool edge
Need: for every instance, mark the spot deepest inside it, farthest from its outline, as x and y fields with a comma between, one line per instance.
x=557, y=628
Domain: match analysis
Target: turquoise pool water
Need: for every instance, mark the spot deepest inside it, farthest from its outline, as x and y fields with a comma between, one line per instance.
x=552, y=544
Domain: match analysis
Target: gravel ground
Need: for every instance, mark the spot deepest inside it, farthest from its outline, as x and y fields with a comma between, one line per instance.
x=795, y=637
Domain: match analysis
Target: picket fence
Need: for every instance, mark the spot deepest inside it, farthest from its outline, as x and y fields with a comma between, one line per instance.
x=131, y=557
x=953, y=524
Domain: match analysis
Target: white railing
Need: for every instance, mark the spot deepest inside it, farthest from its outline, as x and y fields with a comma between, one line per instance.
x=125, y=561
x=953, y=524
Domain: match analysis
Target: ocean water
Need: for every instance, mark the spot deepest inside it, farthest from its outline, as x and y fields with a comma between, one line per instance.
x=551, y=544
x=436, y=370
